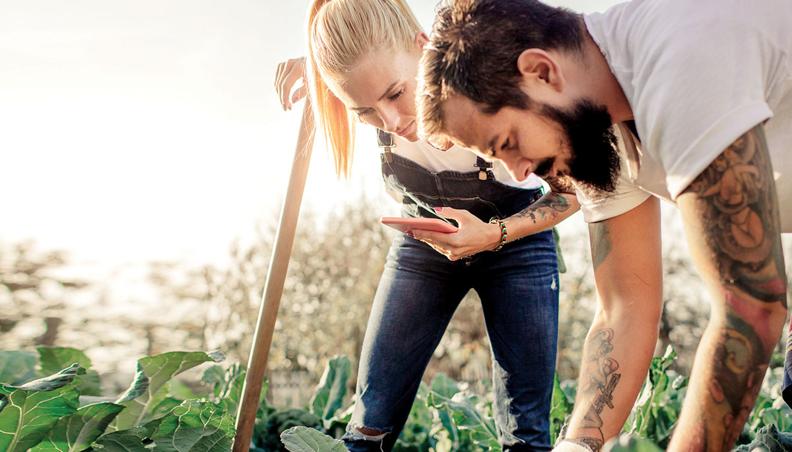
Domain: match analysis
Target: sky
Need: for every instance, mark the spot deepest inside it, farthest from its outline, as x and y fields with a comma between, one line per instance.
x=140, y=130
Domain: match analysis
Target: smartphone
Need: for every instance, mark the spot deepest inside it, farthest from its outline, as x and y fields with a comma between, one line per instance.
x=412, y=224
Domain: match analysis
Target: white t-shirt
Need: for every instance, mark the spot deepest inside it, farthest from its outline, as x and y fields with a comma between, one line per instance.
x=698, y=74
x=455, y=159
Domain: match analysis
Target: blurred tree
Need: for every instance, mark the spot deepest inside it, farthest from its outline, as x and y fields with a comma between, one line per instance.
x=32, y=292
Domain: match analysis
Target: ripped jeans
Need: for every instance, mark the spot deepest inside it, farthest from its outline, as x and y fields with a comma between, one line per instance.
x=417, y=295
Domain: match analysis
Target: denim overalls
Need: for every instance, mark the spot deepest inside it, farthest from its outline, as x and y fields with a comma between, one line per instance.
x=419, y=291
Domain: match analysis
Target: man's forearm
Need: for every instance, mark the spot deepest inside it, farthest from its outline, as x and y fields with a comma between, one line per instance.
x=616, y=355
x=727, y=374
x=621, y=341
x=544, y=214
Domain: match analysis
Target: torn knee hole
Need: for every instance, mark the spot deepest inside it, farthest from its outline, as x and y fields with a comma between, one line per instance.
x=370, y=431
x=367, y=434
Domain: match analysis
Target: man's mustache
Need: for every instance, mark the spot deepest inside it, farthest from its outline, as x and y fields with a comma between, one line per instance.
x=544, y=168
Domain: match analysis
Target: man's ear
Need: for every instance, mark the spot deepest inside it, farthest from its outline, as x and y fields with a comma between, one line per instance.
x=421, y=39
x=539, y=69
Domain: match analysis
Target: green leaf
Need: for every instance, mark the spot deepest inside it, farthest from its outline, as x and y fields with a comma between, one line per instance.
x=195, y=425
x=462, y=415
x=164, y=407
x=51, y=359
x=267, y=433
x=179, y=390
x=28, y=411
x=76, y=432
x=768, y=439
x=304, y=439
x=560, y=409
x=329, y=395
x=416, y=434
x=659, y=403
x=227, y=385
x=442, y=388
x=17, y=367
x=630, y=443
x=135, y=439
x=214, y=377
x=148, y=388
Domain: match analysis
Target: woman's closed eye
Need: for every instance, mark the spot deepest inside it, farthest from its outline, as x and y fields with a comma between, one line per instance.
x=363, y=114
x=396, y=95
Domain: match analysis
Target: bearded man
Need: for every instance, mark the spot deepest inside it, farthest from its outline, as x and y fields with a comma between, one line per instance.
x=686, y=101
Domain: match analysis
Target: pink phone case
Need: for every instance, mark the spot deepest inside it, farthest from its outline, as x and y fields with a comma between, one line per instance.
x=411, y=224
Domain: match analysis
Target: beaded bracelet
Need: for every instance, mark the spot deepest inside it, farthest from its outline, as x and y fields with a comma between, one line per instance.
x=504, y=232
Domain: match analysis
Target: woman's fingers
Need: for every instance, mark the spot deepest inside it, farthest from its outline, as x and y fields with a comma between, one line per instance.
x=300, y=94
x=445, y=244
x=287, y=81
x=286, y=76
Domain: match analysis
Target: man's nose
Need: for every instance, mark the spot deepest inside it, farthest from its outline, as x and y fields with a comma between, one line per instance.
x=515, y=168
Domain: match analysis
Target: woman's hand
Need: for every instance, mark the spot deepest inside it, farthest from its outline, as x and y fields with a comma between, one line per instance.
x=473, y=236
x=289, y=73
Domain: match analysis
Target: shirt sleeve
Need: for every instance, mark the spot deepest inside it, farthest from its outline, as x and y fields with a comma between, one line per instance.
x=694, y=97
x=599, y=206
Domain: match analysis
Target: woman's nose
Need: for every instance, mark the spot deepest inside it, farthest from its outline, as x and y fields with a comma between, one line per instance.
x=390, y=120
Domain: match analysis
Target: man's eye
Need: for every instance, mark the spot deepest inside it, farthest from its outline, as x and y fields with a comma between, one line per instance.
x=505, y=145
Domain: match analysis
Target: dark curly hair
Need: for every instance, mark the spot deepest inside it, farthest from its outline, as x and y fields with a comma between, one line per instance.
x=474, y=47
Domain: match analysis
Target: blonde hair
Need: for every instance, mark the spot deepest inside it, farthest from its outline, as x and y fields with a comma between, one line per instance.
x=339, y=33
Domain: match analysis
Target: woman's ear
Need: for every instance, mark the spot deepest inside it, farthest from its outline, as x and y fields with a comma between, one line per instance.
x=421, y=39
x=539, y=68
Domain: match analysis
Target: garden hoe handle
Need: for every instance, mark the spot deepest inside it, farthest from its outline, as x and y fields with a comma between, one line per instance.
x=273, y=288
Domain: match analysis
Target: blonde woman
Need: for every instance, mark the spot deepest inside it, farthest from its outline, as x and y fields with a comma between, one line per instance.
x=362, y=64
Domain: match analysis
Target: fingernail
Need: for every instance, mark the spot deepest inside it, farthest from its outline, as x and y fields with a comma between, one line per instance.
x=438, y=209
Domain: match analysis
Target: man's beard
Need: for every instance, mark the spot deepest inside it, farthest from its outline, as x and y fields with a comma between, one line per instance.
x=588, y=130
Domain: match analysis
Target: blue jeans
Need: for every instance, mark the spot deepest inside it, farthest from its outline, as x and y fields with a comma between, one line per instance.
x=417, y=296
x=418, y=293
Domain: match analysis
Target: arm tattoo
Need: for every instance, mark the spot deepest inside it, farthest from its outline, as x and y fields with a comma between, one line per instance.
x=602, y=380
x=560, y=184
x=740, y=364
x=549, y=206
x=738, y=204
x=736, y=200
x=599, y=234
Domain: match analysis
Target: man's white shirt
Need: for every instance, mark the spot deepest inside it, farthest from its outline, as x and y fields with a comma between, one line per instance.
x=698, y=75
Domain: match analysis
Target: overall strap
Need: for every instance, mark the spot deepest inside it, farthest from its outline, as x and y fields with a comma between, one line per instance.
x=484, y=167
x=385, y=141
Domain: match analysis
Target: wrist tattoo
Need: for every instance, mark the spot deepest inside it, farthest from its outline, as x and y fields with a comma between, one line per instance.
x=602, y=381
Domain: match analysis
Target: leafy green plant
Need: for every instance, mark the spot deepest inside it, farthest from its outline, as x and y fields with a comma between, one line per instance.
x=630, y=443
x=149, y=388
x=158, y=412
x=267, y=434
x=329, y=395
x=768, y=439
x=45, y=414
x=304, y=439
x=28, y=411
x=660, y=401
x=560, y=410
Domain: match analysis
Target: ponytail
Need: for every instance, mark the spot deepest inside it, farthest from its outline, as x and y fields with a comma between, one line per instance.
x=339, y=33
